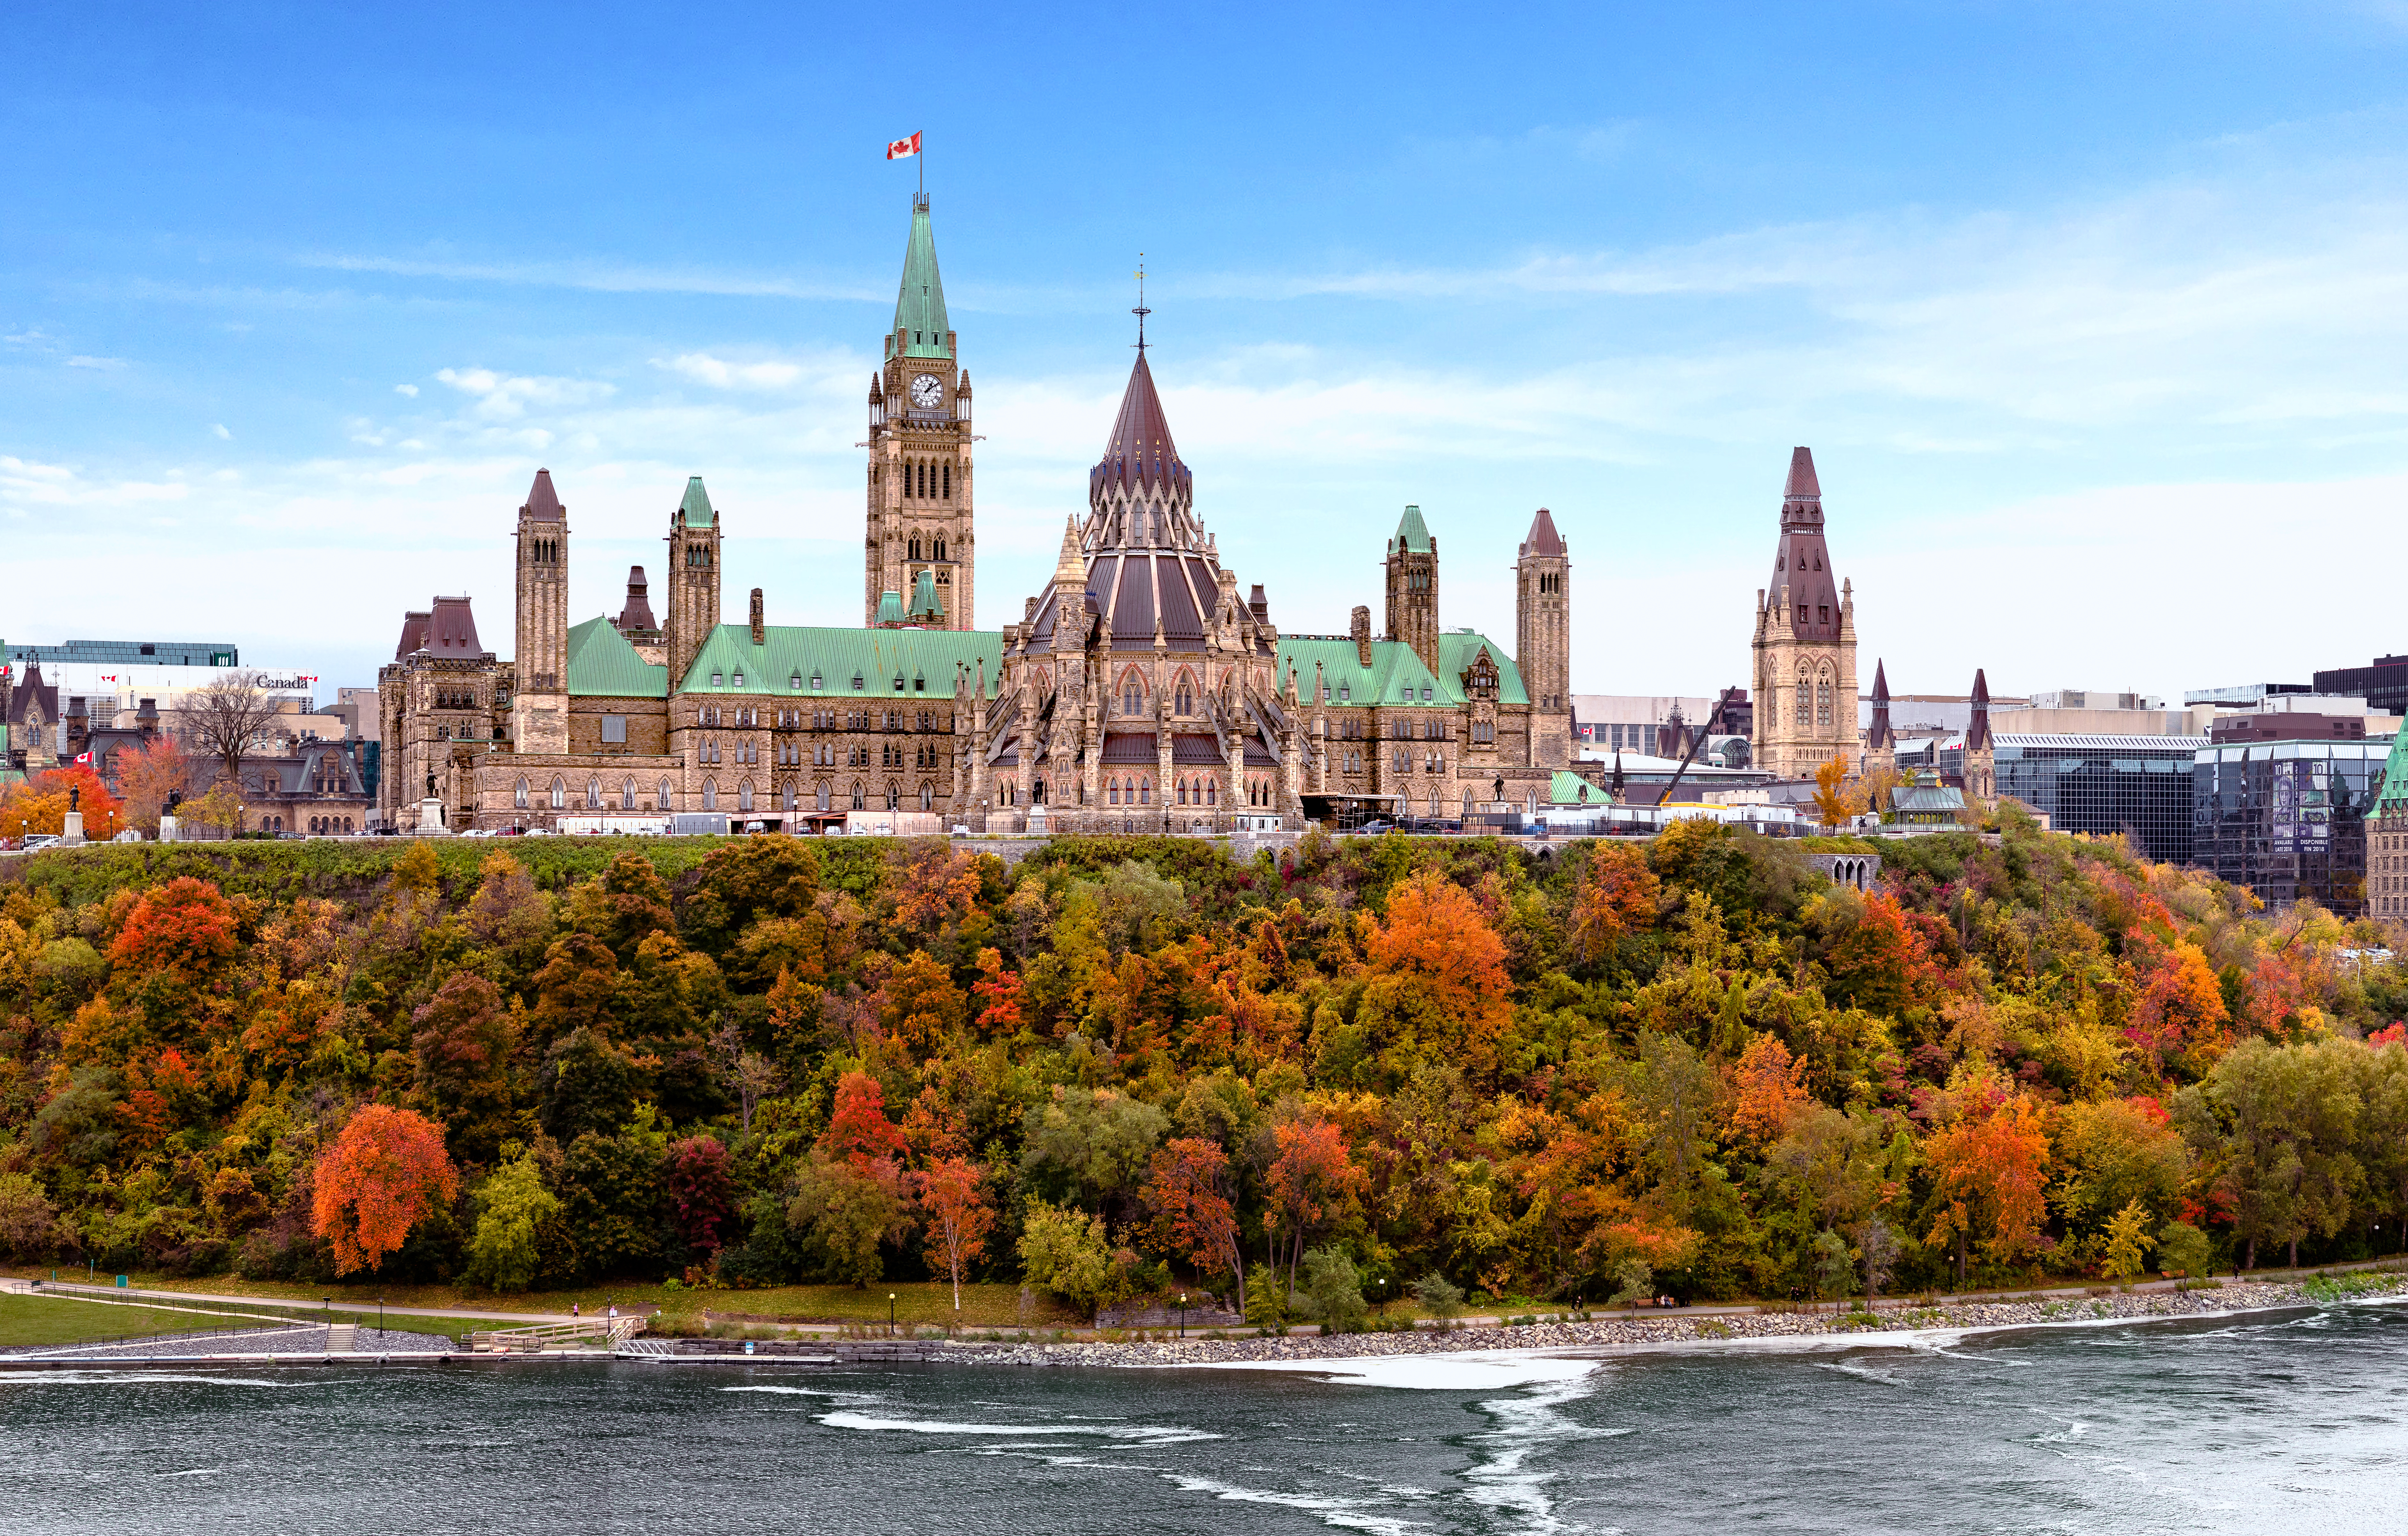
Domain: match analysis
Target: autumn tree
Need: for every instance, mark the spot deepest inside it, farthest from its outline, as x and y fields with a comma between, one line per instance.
x=1769, y=1088
x=1311, y=1180
x=148, y=774
x=955, y=1217
x=2279, y=1126
x=462, y=1042
x=699, y=1180
x=39, y=804
x=1989, y=1171
x=1837, y=796
x=383, y=1175
x=1193, y=1216
x=1437, y=979
x=1617, y=896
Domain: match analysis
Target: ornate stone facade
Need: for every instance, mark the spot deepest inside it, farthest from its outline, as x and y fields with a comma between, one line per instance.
x=1138, y=691
x=1805, y=645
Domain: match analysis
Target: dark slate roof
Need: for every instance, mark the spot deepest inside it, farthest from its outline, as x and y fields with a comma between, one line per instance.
x=541, y=501
x=1878, y=735
x=1132, y=587
x=637, y=614
x=1543, y=537
x=451, y=630
x=31, y=690
x=1130, y=747
x=1140, y=451
x=1197, y=751
x=1802, y=564
x=413, y=634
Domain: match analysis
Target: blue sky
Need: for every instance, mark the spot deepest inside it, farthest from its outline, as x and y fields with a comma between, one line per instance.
x=2093, y=314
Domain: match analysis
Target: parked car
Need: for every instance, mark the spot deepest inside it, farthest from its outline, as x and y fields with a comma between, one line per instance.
x=38, y=840
x=1371, y=827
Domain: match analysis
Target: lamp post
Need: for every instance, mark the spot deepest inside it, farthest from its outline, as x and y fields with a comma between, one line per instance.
x=1183, y=1315
x=1380, y=1296
x=890, y=1314
x=379, y=1322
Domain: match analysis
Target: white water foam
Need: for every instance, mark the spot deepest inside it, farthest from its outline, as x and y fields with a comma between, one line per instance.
x=790, y=1391
x=1137, y=1434
x=1863, y=1372
x=1526, y=1429
x=1343, y=1513
x=1473, y=1370
x=131, y=1378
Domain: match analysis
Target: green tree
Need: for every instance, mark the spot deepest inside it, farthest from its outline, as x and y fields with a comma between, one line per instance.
x=846, y=1213
x=2279, y=1126
x=512, y=1211
x=1333, y=1291
x=2182, y=1249
x=1063, y=1250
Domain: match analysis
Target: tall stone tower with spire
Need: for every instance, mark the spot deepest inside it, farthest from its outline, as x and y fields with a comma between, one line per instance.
x=1543, y=638
x=1881, y=741
x=1413, y=587
x=539, y=698
x=1981, y=752
x=693, y=581
x=1805, y=645
x=919, y=473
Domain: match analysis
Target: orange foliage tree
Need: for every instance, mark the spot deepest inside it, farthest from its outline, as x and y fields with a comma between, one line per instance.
x=1437, y=975
x=1770, y=1086
x=998, y=995
x=379, y=1179
x=1617, y=896
x=40, y=804
x=957, y=1216
x=186, y=926
x=858, y=1130
x=1192, y=1216
x=2180, y=1014
x=1989, y=1177
x=1311, y=1180
x=148, y=774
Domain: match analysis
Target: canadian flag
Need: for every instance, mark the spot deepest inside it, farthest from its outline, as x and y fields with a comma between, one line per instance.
x=84, y=759
x=903, y=149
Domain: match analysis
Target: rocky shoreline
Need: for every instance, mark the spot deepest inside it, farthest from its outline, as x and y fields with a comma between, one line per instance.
x=1639, y=1332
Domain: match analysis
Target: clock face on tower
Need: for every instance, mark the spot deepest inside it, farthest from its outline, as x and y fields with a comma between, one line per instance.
x=928, y=390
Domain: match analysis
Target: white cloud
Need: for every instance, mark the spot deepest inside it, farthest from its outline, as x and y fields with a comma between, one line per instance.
x=600, y=276
x=705, y=369
x=222, y=435
x=506, y=397
x=408, y=390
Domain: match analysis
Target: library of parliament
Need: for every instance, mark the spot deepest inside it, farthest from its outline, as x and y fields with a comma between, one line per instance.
x=1143, y=688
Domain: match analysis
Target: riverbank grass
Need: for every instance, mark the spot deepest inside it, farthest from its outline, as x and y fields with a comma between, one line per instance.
x=31, y=1322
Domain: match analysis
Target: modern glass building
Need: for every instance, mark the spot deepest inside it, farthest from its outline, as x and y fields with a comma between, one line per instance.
x=2287, y=819
x=2139, y=785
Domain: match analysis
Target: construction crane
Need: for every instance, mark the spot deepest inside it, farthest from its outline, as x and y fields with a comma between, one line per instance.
x=1714, y=718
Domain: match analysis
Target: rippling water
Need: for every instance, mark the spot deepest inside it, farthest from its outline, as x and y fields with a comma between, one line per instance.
x=2294, y=1421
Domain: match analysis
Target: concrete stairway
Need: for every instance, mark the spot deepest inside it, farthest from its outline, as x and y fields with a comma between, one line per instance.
x=340, y=1338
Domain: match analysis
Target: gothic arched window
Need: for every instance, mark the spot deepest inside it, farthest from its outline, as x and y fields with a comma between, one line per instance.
x=744, y=796
x=711, y=794
x=821, y=793
x=520, y=798
x=559, y=794
x=627, y=794
x=927, y=797
x=941, y=548
x=666, y=802
x=949, y=490
x=1132, y=695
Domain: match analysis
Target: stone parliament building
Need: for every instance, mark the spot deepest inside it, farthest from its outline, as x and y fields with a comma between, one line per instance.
x=1137, y=692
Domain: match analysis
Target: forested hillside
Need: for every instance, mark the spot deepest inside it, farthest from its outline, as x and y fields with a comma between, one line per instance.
x=1693, y=1065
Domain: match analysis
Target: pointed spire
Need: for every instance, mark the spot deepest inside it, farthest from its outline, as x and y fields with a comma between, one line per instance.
x=542, y=502
x=1803, y=485
x=1878, y=736
x=695, y=507
x=1140, y=449
x=926, y=603
x=1071, y=569
x=1977, y=725
x=637, y=614
x=1413, y=534
x=920, y=300
x=1543, y=537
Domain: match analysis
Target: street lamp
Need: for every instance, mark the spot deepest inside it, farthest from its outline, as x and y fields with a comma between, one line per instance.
x=1183, y=1315
x=890, y=1314
x=1380, y=1297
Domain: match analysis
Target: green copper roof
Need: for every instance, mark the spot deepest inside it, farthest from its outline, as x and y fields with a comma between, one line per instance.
x=791, y=659
x=602, y=665
x=2392, y=799
x=924, y=602
x=920, y=304
x=1396, y=675
x=890, y=608
x=1411, y=533
x=1569, y=788
x=696, y=505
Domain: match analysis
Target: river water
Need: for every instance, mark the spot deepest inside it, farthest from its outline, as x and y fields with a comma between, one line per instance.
x=2292, y=1421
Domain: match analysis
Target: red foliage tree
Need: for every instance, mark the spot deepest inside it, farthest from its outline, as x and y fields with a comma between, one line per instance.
x=858, y=1130
x=1311, y=1180
x=998, y=995
x=1770, y=1086
x=1617, y=896
x=379, y=1179
x=1437, y=972
x=185, y=926
x=701, y=1187
x=1192, y=1216
x=957, y=1217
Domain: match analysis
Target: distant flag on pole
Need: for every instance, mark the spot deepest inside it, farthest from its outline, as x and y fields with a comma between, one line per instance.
x=903, y=149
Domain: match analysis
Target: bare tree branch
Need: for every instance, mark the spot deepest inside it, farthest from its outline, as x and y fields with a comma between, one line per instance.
x=227, y=719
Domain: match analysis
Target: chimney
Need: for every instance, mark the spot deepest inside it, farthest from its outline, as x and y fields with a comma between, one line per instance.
x=146, y=718
x=760, y=633
x=1258, y=606
x=1359, y=630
